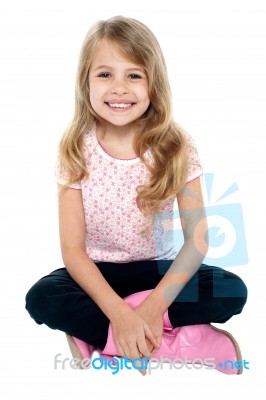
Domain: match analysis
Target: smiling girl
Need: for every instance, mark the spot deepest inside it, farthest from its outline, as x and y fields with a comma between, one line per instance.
x=122, y=164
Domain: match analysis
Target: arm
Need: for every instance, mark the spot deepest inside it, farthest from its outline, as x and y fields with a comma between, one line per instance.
x=193, y=251
x=80, y=267
x=129, y=329
x=187, y=261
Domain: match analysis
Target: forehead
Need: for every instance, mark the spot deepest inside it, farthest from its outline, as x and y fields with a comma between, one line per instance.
x=109, y=54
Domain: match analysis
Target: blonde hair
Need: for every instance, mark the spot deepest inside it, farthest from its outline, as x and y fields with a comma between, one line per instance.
x=155, y=130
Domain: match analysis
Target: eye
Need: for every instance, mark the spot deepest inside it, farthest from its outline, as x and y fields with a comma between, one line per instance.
x=135, y=76
x=104, y=75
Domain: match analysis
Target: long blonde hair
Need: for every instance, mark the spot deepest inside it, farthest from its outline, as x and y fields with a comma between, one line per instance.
x=155, y=130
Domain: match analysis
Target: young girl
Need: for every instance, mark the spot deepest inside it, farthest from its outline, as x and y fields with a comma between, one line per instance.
x=122, y=163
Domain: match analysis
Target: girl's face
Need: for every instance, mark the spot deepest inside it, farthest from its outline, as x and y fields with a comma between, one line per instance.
x=118, y=87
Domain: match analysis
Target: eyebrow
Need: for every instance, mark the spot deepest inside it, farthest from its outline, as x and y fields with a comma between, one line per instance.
x=128, y=69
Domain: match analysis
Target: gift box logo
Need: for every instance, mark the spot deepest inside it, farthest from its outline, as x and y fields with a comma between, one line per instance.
x=227, y=239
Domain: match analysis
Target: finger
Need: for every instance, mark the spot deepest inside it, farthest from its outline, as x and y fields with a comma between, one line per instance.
x=127, y=353
x=125, y=350
x=159, y=339
x=150, y=348
x=144, y=346
x=155, y=349
x=120, y=350
x=135, y=352
x=136, y=355
x=149, y=345
x=150, y=336
x=143, y=372
x=142, y=363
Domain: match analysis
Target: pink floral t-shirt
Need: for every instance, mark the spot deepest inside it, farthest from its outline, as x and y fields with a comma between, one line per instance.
x=112, y=218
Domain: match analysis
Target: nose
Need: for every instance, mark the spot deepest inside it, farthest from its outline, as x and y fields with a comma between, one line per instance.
x=119, y=87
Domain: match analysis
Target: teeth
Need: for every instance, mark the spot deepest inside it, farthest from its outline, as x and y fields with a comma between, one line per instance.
x=120, y=105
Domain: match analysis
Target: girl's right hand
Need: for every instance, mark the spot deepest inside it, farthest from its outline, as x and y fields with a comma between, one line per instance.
x=132, y=335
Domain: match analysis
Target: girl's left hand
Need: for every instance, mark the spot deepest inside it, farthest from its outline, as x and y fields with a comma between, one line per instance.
x=154, y=320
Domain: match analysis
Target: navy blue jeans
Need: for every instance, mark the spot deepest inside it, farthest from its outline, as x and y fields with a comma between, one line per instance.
x=56, y=300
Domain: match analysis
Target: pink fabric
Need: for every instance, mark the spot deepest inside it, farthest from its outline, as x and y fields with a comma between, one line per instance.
x=113, y=220
x=198, y=344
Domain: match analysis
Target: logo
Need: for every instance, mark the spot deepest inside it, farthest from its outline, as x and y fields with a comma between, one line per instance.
x=226, y=232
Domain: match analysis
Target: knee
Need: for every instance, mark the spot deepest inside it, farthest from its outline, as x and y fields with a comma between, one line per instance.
x=239, y=288
x=236, y=293
x=36, y=300
x=232, y=290
x=241, y=294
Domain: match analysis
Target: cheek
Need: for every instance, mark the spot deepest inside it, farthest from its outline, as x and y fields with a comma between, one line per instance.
x=96, y=90
x=145, y=99
x=143, y=93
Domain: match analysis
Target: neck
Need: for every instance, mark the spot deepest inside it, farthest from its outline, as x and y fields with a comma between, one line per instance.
x=119, y=134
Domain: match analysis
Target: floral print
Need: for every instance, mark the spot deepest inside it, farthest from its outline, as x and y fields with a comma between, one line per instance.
x=113, y=220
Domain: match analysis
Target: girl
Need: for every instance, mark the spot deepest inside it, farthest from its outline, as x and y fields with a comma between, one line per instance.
x=122, y=163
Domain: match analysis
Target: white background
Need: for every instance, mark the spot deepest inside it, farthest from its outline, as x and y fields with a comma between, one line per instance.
x=215, y=52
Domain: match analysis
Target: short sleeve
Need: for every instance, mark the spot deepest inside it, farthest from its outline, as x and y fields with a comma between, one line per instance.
x=61, y=176
x=194, y=164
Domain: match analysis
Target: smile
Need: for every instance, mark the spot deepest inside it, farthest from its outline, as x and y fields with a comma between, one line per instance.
x=120, y=105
